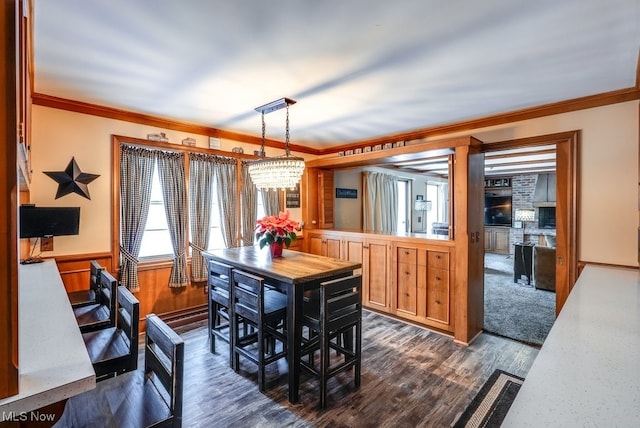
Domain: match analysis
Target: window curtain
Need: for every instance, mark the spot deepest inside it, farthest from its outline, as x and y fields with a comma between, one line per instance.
x=136, y=175
x=380, y=202
x=172, y=179
x=271, y=201
x=249, y=206
x=201, y=180
x=225, y=170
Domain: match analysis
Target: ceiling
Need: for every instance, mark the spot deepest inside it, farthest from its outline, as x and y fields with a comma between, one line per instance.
x=357, y=69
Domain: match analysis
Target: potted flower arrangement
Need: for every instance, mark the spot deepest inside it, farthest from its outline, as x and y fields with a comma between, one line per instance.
x=276, y=231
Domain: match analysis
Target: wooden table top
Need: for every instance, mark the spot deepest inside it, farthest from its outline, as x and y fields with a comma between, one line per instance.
x=293, y=267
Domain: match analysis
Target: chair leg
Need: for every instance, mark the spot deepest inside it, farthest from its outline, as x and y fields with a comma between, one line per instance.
x=324, y=368
x=261, y=365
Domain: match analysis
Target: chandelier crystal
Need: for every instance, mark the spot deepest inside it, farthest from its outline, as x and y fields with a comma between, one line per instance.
x=279, y=172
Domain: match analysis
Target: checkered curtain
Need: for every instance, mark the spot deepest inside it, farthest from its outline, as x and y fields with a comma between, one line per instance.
x=249, y=206
x=200, y=197
x=174, y=192
x=136, y=175
x=226, y=170
x=380, y=202
x=271, y=201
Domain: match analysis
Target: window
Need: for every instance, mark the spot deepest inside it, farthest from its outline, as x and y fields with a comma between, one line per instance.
x=215, y=233
x=156, y=240
x=403, y=201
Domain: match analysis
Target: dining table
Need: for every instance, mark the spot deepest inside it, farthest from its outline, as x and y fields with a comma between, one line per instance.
x=293, y=273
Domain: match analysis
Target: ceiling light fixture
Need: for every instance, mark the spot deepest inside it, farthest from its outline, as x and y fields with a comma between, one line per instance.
x=279, y=172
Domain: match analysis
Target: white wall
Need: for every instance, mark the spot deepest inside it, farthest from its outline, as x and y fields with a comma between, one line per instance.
x=608, y=189
x=59, y=135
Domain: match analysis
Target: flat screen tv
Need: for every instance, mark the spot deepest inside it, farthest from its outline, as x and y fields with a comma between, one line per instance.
x=497, y=210
x=37, y=222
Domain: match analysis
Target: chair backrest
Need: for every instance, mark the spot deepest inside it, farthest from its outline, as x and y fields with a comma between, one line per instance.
x=129, y=322
x=340, y=301
x=248, y=292
x=219, y=281
x=164, y=363
x=94, y=275
x=107, y=294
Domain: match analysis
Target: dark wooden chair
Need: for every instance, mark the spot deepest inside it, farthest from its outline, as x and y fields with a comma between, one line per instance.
x=219, y=304
x=142, y=398
x=264, y=312
x=114, y=350
x=89, y=296
x=102, y=314
x=334, y=321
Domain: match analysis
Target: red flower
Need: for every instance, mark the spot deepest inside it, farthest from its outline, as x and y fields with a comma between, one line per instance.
x=279, y=229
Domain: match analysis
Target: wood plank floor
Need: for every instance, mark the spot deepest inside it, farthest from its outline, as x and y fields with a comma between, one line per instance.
x=411, y=377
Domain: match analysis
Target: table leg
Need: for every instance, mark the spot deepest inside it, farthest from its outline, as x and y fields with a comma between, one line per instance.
x=294, y=338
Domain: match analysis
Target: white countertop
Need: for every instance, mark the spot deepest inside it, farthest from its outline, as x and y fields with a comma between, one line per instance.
x=54, y=363
x=587, y=373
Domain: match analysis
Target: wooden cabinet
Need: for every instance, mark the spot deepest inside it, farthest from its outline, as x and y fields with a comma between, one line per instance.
x=404, y=278
x=325, y=199
x=421, y=285
x=496, y=240
x=375, y=274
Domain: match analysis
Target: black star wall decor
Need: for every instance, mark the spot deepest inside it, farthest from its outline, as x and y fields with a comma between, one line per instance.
x=72, y=180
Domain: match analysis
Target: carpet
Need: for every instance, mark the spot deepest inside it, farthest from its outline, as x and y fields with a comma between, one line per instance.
x=515, y=310
x=490, y=406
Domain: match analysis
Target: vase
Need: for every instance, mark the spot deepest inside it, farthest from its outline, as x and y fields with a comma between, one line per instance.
x=275, y=249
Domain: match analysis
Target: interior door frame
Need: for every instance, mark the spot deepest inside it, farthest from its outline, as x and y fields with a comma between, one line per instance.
x=567, y=218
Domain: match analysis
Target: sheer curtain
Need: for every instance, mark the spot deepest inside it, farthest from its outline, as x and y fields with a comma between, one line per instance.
x=249, y=206
x=379, y=202
x=225, y=170
x=172, y=179
x=136, y=175
x=201, y=180
x=271, y=201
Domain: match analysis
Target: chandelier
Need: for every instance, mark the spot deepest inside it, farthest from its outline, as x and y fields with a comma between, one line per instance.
x=278, y=172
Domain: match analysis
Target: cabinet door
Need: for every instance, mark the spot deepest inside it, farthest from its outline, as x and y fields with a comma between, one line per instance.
x=314, y=242
x=376, y=267
x=325, y=199
x=488, y=240
x=353, y=250
x=501, y=241
x=332, y=245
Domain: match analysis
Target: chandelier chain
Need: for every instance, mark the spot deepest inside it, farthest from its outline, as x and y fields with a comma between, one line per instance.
x=286, y=135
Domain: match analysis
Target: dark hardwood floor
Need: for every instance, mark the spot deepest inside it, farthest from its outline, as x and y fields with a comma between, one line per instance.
x=411, y=377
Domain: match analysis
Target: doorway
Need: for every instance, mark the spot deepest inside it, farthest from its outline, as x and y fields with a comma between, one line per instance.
x=566, y=155
x=519, y=275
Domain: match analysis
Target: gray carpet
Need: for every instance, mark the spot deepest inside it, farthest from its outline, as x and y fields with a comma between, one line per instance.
x=515, y=310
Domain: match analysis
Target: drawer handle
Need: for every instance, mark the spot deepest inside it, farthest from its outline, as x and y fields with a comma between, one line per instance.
x=438, y=302
x=406, y=253
x=437, y=278
x=438, y=256
x=407, y=273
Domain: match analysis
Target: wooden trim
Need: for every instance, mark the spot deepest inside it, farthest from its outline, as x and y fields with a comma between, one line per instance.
x=582, y=103
x=567, y=106
x=144, y=119
x=567, y=171
x=8, y=204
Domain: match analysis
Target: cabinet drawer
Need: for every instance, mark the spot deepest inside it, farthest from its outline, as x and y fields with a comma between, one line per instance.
x=438, y=259
x=438, y=292
x=407, y=255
